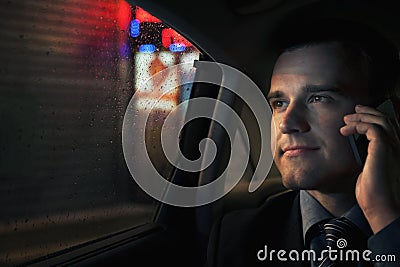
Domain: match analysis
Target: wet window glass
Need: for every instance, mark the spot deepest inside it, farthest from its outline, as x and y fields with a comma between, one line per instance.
x=68, y=72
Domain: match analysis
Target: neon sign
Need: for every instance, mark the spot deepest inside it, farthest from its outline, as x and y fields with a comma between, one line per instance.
x=135, y=28
x=170, y=36
x=147, y=48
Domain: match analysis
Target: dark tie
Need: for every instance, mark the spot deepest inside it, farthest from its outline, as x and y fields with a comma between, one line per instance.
x=315, y=240
x=342, y=234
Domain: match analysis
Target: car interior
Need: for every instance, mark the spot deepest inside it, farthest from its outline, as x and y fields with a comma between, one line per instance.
x=67, y=195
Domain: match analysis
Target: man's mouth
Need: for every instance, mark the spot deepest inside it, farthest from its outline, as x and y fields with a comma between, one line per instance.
x=298, y=150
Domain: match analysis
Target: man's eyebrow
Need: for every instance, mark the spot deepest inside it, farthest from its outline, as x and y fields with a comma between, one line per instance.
x=311, y=88
x=275, y=94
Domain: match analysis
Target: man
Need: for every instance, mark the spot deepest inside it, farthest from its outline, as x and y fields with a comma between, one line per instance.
x=325, y=87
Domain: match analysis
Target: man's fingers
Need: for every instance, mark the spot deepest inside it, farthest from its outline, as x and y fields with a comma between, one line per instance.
x=368, y=110
x=382, y=121
x=371, y=131
x=372, y=116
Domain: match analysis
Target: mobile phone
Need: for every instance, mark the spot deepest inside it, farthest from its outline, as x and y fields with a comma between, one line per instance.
x=359, y=143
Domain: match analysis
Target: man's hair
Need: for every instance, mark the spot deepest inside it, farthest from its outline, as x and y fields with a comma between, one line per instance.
x=358, y=39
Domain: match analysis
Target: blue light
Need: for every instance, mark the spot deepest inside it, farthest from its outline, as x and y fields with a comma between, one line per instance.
x=147, y=48
x=177, y=47
x=124, y=50
x=135, y=28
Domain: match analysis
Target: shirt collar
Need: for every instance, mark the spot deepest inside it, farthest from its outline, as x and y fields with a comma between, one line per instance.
x=356, y=215
x=312, y=212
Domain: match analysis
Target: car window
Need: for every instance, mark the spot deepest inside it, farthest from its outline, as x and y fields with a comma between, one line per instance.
x=69, y=70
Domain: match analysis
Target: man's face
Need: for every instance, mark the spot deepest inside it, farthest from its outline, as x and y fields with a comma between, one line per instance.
x=312, y=88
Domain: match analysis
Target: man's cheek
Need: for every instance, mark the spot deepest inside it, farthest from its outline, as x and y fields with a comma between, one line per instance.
x=274, y=138
x=330, y=126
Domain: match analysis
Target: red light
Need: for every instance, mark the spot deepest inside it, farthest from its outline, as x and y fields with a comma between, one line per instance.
x=144, y=16
x=124, y=15
x=170, y=36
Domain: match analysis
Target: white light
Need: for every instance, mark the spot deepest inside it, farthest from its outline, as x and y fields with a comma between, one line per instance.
x=157, y=104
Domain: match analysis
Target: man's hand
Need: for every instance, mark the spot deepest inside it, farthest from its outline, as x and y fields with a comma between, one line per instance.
x=377, y=187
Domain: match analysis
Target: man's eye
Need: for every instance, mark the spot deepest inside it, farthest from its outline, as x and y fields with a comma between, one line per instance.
x=319, y=98
x=277, y=104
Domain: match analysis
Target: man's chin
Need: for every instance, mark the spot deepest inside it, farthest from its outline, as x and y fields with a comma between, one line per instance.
x=313, y=185
x=291, y=185
x=299, y=184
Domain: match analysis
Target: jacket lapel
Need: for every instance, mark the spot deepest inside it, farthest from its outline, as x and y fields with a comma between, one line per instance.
x=291, y=233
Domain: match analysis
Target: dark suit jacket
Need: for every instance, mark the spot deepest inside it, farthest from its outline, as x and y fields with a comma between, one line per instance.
x=238, y=236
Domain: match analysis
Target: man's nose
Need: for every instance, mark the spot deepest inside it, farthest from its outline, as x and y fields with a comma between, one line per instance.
x=294, y=119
